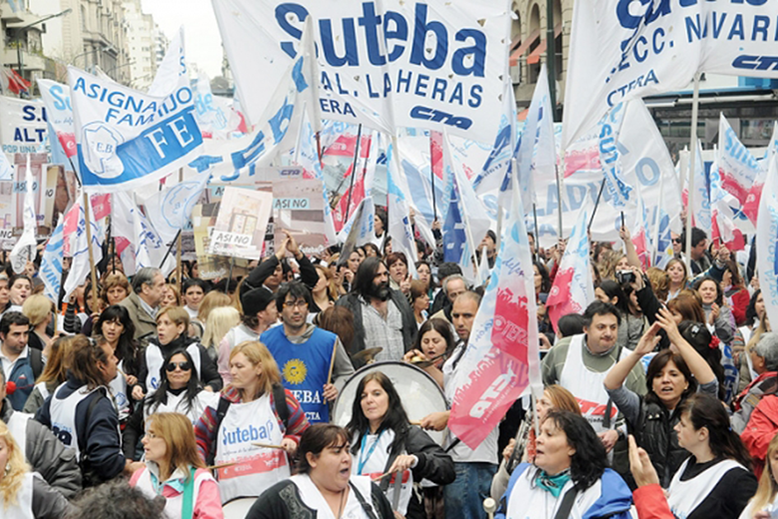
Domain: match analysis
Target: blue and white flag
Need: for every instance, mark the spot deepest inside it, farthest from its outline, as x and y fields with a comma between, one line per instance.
x=237, y=160
x=170, y=210
x=399, y=226
x=150, y=249
x=469, y=221
x=766, y=239
x=79, y=245
x=51, y=263
x=701, y=197
x=126, y=138
x=24, y=249
x=610, y=158
x=536, y=156
x=171, y=73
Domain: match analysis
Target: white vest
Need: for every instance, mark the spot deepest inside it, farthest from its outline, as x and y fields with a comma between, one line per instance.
x=118, y=387
x=375, y=459
x=587, y=386
x=177, y=404
x=17, y=425
x=256, y=468
x=312, y=498
x=530, y=502
x=63, y=416
x=43, y=390
x=23, y=507
x=173, y=504
x=154, y=360
x=684, y=496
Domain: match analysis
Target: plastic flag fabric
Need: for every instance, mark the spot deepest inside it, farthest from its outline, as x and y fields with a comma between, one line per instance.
x=502, y=361
x=573, y=288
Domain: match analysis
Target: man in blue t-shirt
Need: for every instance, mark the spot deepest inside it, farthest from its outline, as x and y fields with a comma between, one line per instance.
x=304, y=353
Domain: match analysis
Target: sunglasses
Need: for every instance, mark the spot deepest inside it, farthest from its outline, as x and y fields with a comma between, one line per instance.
x=185, y=366
x=677, y=240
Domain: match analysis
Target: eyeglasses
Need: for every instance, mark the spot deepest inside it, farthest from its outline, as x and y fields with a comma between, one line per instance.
x=298, y=304
x=677, y=240
x=184, y=366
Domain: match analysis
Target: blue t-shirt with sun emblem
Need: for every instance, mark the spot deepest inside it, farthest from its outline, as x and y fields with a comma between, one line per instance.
x=304, y=368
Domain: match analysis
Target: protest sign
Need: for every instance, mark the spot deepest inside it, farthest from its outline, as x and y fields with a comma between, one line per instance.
x=211, y=267
x=298, y=209
x=240, y=227
x=431, y=64
x=23, y=127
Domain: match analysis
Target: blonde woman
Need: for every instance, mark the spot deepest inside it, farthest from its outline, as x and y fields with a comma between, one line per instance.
x=213, y=299
x=253, y=408
x=23, y=494
x=54, y=374
x=175, y=471
x=38, y=310
x=220, y=321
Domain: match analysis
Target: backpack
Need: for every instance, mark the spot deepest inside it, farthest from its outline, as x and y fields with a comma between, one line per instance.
x=281, y=410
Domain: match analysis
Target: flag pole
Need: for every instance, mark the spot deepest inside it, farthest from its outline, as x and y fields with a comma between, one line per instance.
x=596, y=204
x=559, y=197
x=536, y=249
x=88, y=225
x=353, y=171
x=170, y=248
x=432, y=178
x=179, y=242
x=692, y=165
x=658, y=218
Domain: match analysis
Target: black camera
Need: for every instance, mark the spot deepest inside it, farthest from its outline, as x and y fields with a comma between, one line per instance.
x=625, y=277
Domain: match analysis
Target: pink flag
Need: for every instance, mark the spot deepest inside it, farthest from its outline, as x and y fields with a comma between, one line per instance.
x=573, y=288
x=502, y=361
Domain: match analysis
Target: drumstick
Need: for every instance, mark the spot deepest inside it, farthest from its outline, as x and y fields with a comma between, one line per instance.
x=332, y=363
x=382, y=476
x=267, y=445
x=122, y=373
x=415, y=422
x=221, y=466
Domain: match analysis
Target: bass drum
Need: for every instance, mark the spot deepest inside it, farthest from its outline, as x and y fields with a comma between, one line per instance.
x=419, y=392
x=238, y=508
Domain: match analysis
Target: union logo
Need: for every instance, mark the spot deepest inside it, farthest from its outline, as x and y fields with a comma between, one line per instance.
x=295, y=371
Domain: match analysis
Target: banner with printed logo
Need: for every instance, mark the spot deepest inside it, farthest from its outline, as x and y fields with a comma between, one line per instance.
x=432, y=64
x=621, y=50
x=23, y=127
x=59, y=112
x=126, y=138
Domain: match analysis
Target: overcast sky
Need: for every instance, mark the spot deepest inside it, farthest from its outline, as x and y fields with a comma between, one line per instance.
x=203, y=42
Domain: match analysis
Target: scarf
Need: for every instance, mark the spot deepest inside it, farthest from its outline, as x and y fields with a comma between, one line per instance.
x=553, y=484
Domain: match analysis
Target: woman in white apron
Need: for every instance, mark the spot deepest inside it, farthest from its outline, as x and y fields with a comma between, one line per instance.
x=22, y=494
x=324, y=486
x=250, y=429
x=383, y=441
x=716, y=480
x=175, y=471
x=568, y=478
x=116, y=326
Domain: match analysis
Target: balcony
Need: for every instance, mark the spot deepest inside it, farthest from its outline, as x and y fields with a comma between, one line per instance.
x=30, y=61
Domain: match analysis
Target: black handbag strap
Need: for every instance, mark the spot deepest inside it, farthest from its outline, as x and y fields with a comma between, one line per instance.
x=567, y=504
x=364, y=504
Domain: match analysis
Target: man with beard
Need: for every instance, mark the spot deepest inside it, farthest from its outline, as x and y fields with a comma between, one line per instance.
x=304, y=353
x=382, y=316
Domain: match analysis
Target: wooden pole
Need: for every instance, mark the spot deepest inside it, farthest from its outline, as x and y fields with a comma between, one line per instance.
x=353, y=171
x=179, y=240
x=91, y=254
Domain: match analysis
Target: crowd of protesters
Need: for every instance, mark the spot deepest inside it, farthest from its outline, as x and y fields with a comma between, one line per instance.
x=660, y=400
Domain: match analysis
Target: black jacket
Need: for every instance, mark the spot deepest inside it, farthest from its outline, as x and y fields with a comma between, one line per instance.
x=410, y=327
x=654, y=432
x=283, y=501
x=308, y=274
x=99, y=436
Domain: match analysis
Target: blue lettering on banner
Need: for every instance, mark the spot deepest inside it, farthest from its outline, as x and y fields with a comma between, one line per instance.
x=155, y=148
x=248, y=434
x=748, y=62
x=438, y=116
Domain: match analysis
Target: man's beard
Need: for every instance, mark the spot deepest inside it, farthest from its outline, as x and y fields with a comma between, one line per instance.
x=380, y=291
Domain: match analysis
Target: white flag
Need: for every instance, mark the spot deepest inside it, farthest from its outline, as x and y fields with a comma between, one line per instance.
x=24, y=250
x=766, y=239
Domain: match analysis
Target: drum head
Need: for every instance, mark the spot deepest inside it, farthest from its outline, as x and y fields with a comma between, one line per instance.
x=419, y=392
x=238, y=508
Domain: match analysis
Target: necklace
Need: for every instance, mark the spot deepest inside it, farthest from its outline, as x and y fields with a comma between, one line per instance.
x=340, y=506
